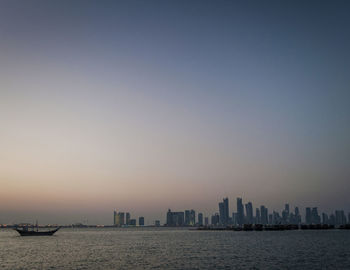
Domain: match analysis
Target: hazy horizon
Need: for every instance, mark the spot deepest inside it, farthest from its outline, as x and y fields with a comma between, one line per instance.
x=141, y=106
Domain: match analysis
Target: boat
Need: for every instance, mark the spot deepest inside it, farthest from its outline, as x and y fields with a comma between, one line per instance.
x=25, y=232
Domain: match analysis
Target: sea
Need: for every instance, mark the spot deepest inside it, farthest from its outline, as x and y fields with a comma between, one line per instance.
x=175, y=248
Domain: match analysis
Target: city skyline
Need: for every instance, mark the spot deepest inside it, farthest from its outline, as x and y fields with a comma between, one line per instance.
x=237, y=214
x=150, y=105
x=263, y=215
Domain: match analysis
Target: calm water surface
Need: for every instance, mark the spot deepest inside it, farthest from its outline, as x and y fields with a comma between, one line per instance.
x=161, y=248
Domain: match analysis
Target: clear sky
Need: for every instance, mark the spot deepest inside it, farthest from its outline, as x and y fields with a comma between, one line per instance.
x=142, y=106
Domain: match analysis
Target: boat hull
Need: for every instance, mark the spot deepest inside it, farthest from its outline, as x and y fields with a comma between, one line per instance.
x=36, y=233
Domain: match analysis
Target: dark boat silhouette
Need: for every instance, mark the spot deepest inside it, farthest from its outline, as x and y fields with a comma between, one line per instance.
x=25, y=232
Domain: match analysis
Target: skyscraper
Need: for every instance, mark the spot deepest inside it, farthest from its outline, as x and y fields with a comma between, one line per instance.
x=118, y=218
x=121, y=218
x=249, y=212
x=221, y=212
x=340, y=217
x=215, y=219
x=234, y=218
x=308, y=219
x=127, y=219
x=286, y=214
x=264, y=215
x=297, y=215
x=240, y=212
x=114, y=217
x=206, y=221
x=187, y=217
x=315, y=218
x=324, y=218
x=286, y=208
x=141, y=221
x=175, y=218
x=192, y=217
x=257, y=216
x=200, y=219
x=224, y=212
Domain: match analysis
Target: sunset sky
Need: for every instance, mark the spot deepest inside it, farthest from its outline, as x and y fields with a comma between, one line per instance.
x=141, y=106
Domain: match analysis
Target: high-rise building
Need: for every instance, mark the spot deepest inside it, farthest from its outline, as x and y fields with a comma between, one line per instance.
x=141, y=221
x=286, y=214
x=331, y=219
x=206, y=221
x=276, y=218
x=234, y=219
x=270, y=221
x=324, y=218
x=200, y=219
x=175, y=218
x=340, y=217
x=308, y=219
x=187, y=217
x=157, y=223
x=215, y=219
x=264, y=215
x=315, y=218
x=224, y=212
x=221, y=213
x=132, y=222
x=114, y=217
x=240, y=212
x=257, y=216
x=118, y=218
x=297, y=215
x=127, y=218
x=192, y=217
x=121, y=218
x=249, y=213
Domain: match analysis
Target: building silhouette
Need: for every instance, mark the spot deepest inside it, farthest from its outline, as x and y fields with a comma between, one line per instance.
x=240, y=212
x=340, y=217
x=175, y=219
x=127, y=219
x=257, y=216
x=308, y=219
x=264, y=215
x=141, y=221
x=200, y=219
x=224, y=212
x=215, y=219
x=249, y=212
x=119, y=219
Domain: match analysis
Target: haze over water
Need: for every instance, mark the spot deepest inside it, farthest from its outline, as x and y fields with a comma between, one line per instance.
x=142, y=106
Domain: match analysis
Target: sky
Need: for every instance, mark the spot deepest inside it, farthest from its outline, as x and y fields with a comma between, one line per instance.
x=141, y=106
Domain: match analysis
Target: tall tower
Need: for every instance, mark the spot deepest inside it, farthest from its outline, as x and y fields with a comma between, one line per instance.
x=127, y=217
x=240, y=212
x=249, y=212
x=226, y=211
x=114, y=217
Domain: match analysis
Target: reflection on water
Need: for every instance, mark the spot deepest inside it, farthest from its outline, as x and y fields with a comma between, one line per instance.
x=162, y=248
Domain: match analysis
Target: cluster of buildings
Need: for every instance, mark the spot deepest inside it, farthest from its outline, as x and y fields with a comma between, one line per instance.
x=124, y=219
x=187, y=218
x=246, y=214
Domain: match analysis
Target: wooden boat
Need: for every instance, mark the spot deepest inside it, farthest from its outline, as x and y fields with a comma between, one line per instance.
x=25, y=232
